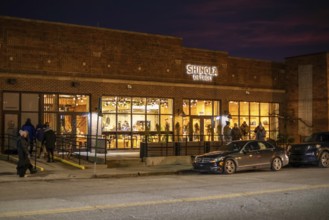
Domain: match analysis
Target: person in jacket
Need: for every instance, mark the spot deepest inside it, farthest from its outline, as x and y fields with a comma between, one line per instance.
x=245, y=130
x=260, y=132
x=28, y=126
x=236, y=132
x=24, y=162
x=227, y=132
x=40, y=130
x=49, y=141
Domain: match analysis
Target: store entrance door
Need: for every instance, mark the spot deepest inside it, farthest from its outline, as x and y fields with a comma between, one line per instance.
x=76, y=127
x=201, y=128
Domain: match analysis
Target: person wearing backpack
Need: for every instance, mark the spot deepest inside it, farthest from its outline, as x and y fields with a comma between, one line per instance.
x=49, y=140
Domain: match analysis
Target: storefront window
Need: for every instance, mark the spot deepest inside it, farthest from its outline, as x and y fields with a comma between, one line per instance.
x=201, y=121
x=126, y=120
x=138, y=105
x=265, y=113
x=51, y=119
x=124, y=105
x=186, y=107
x=201, y=107
x=30, y=102
x=254, y=108
x=50, y=102
x=109, y=104
x=73, y=103
x=11, y=101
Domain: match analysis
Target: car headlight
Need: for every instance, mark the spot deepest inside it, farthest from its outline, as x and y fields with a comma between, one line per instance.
x=309, y=147
x=217, y=159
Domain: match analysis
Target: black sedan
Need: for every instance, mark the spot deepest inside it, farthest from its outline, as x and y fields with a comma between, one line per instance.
x=314, y=150
x=242, y=155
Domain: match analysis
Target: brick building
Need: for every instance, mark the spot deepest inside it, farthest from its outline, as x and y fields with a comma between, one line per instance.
x=144, y=83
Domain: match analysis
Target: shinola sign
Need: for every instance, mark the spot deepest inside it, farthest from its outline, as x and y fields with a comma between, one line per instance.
x=201, y=73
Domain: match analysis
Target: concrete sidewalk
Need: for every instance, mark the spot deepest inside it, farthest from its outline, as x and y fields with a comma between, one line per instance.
x=61, y=171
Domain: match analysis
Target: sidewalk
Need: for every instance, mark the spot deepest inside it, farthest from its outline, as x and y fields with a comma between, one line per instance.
x=61, y=171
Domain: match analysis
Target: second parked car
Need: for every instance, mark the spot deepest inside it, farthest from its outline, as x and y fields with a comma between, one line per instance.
x=314, y=150
x=242, y=155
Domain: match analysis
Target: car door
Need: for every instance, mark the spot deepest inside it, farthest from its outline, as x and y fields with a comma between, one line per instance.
x=249, y=157
x=265, y=154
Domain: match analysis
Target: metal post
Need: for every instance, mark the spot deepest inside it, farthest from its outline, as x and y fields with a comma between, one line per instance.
x=99, y=113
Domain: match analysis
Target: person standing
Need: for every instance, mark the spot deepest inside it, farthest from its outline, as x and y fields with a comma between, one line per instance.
x=260, y=132
x=24, y=162
x=227, y=132
x=236, y=132
x=28, y=126
x=244, y=130
x=49, y=141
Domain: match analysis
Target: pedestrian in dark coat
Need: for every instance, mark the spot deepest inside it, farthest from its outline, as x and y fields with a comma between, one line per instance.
x=49, y=139
x=24, y=162
x=29, y=127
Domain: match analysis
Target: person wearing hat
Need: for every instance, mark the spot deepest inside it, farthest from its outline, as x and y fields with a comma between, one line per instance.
x=24, y=162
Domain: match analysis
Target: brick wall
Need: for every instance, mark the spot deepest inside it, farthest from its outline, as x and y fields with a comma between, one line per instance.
x=48, y=57
x=319, y=63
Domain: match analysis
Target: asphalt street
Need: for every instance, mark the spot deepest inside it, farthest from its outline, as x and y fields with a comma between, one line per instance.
x=292, y=193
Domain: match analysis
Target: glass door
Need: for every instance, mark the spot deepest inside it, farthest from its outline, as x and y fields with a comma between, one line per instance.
x=75, y=127
x=201, y=129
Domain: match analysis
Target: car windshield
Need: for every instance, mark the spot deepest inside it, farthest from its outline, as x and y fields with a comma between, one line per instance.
x=234, y=146
x=317, y=138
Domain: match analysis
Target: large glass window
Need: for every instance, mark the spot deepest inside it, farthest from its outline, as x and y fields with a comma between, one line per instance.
x=73, y=103
x=30, y=102
x=11, y=101
x=200, y=120
x=254, y=113
x=126, y=120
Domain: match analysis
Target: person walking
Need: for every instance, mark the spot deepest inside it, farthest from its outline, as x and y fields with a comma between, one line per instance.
x=28, y=126
x=49, y=141
x=39, y=135
x=236, y=132
x=260, y=132
x=24, y=162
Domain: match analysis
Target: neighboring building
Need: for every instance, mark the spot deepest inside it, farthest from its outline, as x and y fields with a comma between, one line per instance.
x=144, y=83
x=307, y=86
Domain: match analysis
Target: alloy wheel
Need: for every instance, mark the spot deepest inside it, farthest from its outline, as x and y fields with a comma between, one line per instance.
x=276, y=164
x=229, y=167
x=324, y=160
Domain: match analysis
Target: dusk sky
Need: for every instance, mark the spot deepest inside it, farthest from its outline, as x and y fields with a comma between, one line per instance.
x=261, y=29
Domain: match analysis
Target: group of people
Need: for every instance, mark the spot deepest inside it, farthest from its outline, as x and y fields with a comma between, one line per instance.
x=242, y=132
x=43, y=136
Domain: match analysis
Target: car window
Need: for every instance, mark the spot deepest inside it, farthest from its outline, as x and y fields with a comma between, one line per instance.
x=262, y=146
x=269, y=146
x=252, y=146
x=324, y=138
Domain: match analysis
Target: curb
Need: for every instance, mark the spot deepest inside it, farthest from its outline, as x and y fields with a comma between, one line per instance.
x=70, y=163
x=14, y=159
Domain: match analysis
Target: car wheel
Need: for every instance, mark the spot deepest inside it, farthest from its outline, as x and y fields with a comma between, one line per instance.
x=229, y=167
x=276, y=164
x=324, y=160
